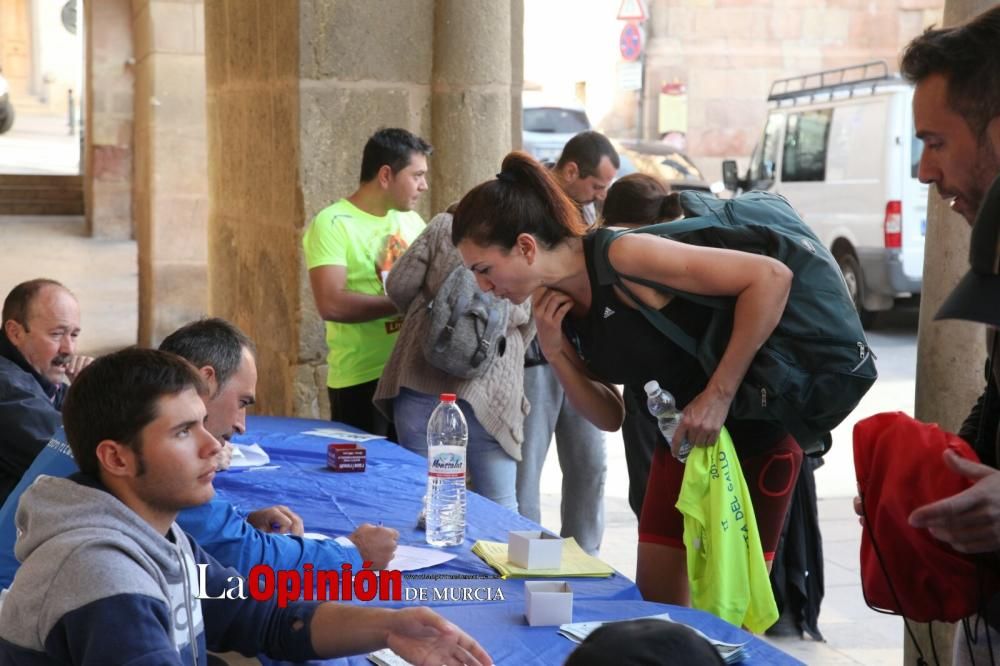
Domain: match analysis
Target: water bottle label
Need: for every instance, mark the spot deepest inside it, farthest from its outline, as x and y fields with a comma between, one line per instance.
x=447, y=462
x=668, y=429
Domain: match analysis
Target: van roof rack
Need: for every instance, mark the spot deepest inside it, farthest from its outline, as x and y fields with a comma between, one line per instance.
x=852, y=78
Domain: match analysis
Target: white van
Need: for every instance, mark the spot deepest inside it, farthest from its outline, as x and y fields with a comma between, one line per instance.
x=840, y=146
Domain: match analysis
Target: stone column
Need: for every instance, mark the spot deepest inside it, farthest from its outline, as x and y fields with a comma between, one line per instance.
x=295, y=88
x=170, y=195
x=950, y=354
x=471, y=103
x=110, y=81
x=516, y=73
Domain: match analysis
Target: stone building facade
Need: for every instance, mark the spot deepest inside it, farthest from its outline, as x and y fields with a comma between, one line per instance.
x=726, y=53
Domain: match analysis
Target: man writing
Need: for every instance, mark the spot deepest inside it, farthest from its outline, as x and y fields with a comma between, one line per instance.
x=350, y=247
x=104, y=557
x=41, y=323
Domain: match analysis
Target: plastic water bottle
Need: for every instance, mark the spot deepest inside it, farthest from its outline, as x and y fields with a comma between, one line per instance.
x=447, y=442
x=661, y=405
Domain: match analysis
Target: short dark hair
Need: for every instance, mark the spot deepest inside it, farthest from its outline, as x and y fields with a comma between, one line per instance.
x=392, y=146
x=214, y=342
x=968, y=56
x=586, y=149
x=640, y=199
x=17, y=305
x=644, y=641
x=116, y=396
x=523, y=198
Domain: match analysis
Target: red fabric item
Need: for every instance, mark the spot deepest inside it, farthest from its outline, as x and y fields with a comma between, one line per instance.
x=898, y=463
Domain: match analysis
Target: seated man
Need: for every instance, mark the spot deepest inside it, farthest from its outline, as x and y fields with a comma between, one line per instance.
x=109, y=577
x=225, y=358
x=41, y=321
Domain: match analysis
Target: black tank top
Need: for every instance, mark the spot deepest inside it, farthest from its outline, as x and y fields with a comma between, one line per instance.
x=618, y=345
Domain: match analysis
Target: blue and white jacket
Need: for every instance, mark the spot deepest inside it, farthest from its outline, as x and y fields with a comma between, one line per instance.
x=99, y=585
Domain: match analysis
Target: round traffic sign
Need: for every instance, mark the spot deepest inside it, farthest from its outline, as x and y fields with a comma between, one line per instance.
x=630, y=43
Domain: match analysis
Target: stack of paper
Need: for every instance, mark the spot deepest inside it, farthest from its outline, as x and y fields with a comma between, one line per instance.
x=249, y=455
x=575, y=562
x=386, y=657
x=730, y=652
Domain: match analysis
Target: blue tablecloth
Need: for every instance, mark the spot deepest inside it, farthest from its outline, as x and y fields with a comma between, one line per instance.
x=391, y=490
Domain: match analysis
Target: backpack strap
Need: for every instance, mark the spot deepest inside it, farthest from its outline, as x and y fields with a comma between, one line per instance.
x=607, y=275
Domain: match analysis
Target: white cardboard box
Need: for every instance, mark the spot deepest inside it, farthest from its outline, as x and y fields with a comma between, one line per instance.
x=534, y=550
x=548, y=602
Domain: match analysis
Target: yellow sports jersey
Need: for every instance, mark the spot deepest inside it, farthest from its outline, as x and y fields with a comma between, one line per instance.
x=725, y=560
x=344, y=235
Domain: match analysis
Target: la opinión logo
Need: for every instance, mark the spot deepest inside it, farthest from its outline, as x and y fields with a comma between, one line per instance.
x=285, y=585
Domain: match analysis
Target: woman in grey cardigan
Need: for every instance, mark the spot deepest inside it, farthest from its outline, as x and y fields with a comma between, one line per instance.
x=493, y=404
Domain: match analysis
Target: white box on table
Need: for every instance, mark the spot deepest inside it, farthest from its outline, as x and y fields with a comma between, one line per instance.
x=534, y=550
x=548, y=602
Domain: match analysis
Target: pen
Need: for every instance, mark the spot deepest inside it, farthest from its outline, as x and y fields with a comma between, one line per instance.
x=262, y=468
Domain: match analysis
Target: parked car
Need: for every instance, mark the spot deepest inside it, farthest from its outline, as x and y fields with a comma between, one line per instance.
x=546, y=128
x=840, y=146
x=6, y=108
x=666, y=163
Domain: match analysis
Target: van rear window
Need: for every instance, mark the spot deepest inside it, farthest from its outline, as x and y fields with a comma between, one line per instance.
x=806, y=135
x=916, y=150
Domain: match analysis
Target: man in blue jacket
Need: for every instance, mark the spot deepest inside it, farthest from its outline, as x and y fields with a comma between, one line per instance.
x=225, y=359
x=41, y=322
x=108, y=575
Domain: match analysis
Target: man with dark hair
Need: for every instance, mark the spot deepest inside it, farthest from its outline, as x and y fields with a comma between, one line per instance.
x=350, y=247
x=585, y=169
x=226, y=359
x=956, y=113
x=109, y=577
x=41, y=322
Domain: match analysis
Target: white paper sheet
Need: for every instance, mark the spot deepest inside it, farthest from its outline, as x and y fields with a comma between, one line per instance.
x=342, y=435
x=408, y=558
x=249, y=455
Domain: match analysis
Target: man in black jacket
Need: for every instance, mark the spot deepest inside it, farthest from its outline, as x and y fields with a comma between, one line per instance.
x=956, y=112
x=41, y=322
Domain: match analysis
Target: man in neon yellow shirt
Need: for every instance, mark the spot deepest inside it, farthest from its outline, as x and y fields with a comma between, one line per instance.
x=350, y=247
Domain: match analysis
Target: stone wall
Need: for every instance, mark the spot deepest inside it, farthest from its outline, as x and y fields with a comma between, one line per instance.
x=109, y=116
x=727, y=53
x=170, y=196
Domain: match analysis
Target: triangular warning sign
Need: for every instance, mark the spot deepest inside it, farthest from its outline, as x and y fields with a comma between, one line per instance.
x=631, y=10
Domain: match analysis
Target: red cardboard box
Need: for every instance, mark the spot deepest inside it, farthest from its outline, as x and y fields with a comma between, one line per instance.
x=345, y=457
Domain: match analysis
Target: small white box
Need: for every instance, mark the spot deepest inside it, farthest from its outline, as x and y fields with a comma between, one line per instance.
x=534, y=550
x=548, y=602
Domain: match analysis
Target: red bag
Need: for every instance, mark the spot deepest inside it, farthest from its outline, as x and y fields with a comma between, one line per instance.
x=898, y=463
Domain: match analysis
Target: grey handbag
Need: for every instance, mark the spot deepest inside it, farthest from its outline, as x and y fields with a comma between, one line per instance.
x=466, y=329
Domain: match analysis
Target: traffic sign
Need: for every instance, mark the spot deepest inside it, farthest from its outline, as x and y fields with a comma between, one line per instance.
x=630, y=43
x=631, y=10
x=630, y=75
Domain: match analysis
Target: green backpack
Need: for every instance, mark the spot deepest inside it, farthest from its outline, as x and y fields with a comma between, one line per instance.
x=816, y=366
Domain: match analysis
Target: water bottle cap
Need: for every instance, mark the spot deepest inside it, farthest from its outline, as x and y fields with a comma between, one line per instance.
x=447, y=397
x=652, y=386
